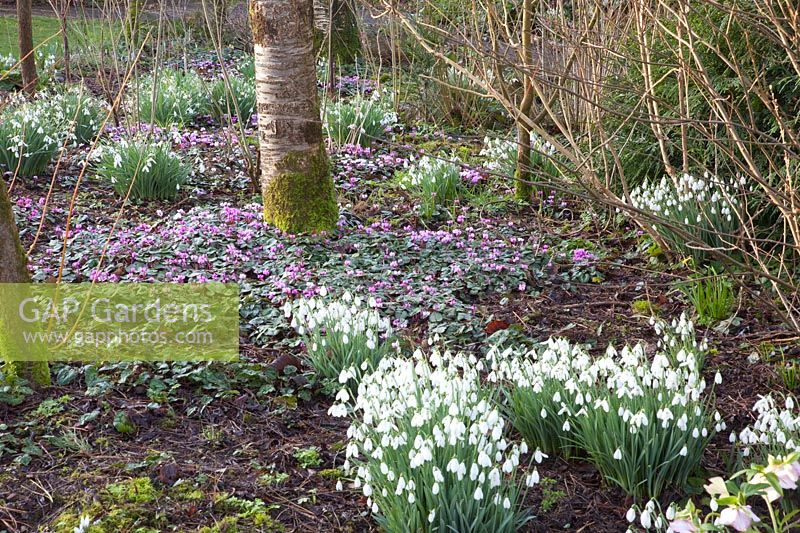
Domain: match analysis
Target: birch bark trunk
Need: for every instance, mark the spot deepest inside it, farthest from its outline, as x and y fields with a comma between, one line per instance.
x=296, y=183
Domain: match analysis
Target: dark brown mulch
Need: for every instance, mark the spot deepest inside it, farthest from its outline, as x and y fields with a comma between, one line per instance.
x=249, y=440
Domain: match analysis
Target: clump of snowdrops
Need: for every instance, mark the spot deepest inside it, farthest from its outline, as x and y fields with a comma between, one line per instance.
x=31, y=134
x=170, y=97
x=775, y=431
x=644, y=423
x=500, y=157
x=706, y=209
x=429, y=447
x=359, y=120
x=345, y=338
x=150, y=170
x=435, y=183
x=83, y=114
x=234, y=98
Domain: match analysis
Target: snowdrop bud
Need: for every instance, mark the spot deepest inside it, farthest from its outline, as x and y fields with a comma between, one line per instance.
x=631, y=514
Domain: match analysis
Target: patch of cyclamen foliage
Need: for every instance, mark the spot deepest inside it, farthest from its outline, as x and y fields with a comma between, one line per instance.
x=415, y=275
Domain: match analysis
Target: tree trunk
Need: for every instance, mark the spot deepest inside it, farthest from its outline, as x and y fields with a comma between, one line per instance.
x=524, y=189
x=344, y=34
x=65, y=42
x=25, y=23
x=14, y=269
x=522, y=176
x=296, y=182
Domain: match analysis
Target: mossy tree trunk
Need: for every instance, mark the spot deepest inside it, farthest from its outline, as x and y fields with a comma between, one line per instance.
x=522, y=176
x=344, y=34
x=296, y=182
x=14, y=269
x=25, y=26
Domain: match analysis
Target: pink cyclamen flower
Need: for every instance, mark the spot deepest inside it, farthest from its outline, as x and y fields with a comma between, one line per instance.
x=739, y=517
x=682, y=526
x=581, y=256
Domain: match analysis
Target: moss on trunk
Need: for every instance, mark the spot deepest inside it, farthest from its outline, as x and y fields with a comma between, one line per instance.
x=522, y=176
x=301, y=198
x=14, y=269
x=345, y=37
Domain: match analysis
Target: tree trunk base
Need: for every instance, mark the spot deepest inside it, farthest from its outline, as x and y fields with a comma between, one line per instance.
x=301, y=198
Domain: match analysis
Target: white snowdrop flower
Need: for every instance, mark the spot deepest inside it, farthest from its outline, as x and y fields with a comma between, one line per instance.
x=631, y=514
x=453, y=465
x=478, y=494
x=494, y=478
x=484, y=460
x=718, y=378
x=435, y=488
x=684, y=452
x=532, y=478
x=618, y=454
x=337, y=410
x=432, y=516
x=339, y=485
x=343, y=396
x=644, y=519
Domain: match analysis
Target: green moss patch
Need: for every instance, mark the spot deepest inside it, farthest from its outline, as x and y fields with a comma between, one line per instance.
x=302, y=199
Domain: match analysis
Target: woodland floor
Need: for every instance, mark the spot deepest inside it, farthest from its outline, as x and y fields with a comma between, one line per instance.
x=248, y=433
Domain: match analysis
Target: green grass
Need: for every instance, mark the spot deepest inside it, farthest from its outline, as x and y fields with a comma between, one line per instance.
x=79, y=31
